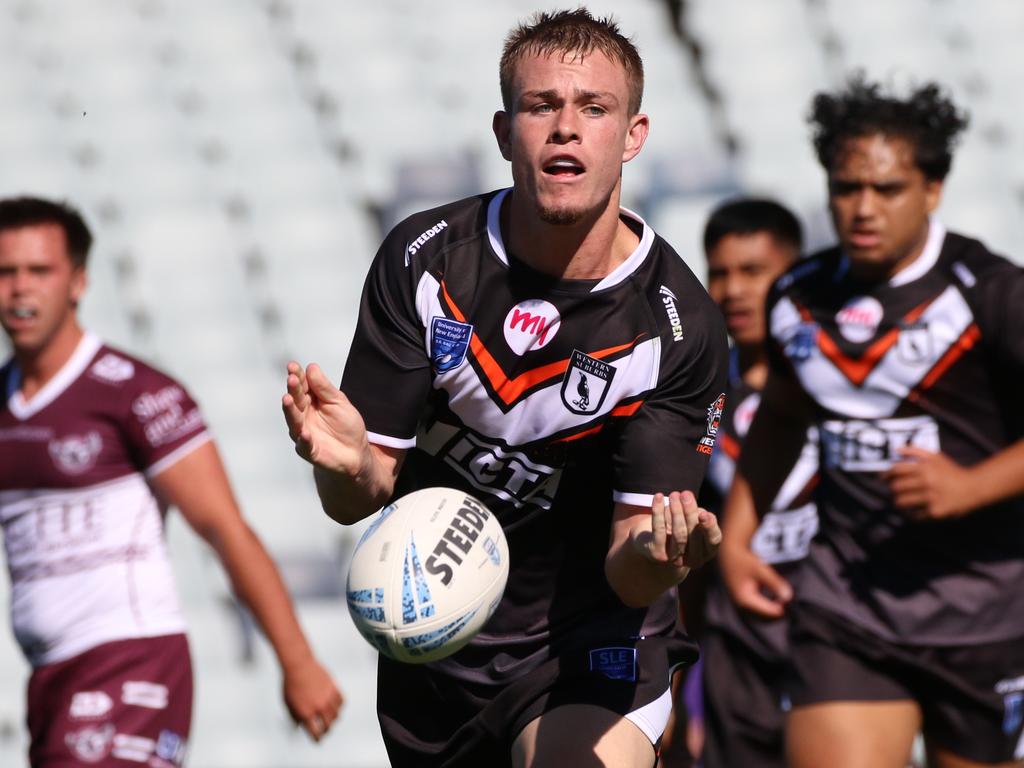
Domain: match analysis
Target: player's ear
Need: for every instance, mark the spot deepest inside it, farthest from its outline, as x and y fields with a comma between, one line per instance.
x=79, y=281
x=932, y=194
x=636, y=135
x=502, y=128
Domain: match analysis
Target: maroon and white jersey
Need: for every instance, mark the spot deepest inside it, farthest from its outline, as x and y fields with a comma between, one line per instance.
x=82, y=530
x=549, y=399
x=933, y=358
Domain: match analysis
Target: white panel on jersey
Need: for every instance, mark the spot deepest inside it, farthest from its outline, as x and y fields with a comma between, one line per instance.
x=544, y=412
x=906, y=363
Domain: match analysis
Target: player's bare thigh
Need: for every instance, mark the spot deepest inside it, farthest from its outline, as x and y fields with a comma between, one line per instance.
x=852, y=734
x=582, y=736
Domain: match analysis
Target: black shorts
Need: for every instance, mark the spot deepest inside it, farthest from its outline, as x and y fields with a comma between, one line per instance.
x=430, y=720
x=971, y=697
x=743, y=704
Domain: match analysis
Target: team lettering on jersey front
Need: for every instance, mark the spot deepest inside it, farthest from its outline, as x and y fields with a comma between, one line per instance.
x=855, y=445
x=508, y=474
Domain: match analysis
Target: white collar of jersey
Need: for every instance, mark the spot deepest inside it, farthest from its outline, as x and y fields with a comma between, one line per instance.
x=21, y=409
x=616, y=276
x=919, y=266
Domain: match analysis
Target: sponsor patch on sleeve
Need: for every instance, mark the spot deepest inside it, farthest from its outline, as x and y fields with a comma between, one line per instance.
x=449, y=341
x=707, y=443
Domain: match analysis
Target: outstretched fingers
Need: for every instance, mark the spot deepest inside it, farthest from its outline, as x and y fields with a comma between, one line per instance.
x=295, y=404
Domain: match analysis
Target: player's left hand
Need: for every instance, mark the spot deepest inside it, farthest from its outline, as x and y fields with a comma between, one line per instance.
x=929, y=486
x=682, y=534
x=312, y=698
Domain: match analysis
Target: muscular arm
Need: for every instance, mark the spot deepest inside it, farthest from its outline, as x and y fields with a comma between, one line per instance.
x=774, y=442
x=653, y=550
x=198, y=486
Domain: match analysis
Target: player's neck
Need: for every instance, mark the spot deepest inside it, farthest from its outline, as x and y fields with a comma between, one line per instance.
x=753, y=366
x=589, y=250
x=40, y=365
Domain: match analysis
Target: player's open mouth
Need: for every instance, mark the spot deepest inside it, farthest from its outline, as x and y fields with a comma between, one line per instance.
x=563, y=167
x=20, y=315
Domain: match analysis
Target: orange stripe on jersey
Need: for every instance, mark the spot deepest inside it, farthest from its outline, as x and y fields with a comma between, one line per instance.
x=858, y=369
x=456, y=312
x=729, y=446
x=627, y=410
x=960, y=347
x=623, y=410
x=507, y=389
x=578, y=435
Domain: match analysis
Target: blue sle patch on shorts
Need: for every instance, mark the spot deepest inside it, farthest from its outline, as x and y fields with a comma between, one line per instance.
x=615, y=663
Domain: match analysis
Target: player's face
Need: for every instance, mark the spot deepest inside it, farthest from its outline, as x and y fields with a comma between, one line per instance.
x=39, y=286
x=741, y=269
x=568, y=134
x=880, y=202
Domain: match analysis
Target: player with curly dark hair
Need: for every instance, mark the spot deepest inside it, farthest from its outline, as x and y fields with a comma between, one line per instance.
x=902, y=345
x=927, y=119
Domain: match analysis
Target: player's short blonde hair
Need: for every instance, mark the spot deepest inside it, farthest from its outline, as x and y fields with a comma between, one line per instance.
x=574, y=34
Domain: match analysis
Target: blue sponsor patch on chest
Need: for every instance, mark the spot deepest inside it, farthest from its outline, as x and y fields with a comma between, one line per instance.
x=615, y=663
x=449, y=342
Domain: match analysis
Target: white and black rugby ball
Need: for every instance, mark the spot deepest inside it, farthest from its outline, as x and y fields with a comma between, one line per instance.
x=427, y=574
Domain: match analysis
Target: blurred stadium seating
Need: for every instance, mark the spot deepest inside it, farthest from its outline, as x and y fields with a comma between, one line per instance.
x=240, y=160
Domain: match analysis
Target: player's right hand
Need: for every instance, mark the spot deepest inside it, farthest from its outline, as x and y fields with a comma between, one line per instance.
x=326, y=428
x=752, y=583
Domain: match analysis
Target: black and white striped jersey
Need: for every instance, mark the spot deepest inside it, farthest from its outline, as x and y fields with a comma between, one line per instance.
x=549, y=399
x=933, y=358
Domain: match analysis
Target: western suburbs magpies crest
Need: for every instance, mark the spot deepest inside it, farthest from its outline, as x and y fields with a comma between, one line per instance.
x=585, y=383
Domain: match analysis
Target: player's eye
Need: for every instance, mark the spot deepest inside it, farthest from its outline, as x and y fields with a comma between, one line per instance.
x=842, y=188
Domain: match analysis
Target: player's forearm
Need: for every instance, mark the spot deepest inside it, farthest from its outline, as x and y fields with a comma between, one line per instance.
x=347, y=498
x=739, y=515
x=258, y=584
x=637, y=580
x=774, y=442
x=999, y=477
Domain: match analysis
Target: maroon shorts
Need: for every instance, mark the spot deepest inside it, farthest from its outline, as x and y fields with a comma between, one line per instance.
x=123, y=703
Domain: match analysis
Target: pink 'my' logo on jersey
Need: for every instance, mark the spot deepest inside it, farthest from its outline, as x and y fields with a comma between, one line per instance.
x=531, y=324
x=859, y=318
x=76, y=454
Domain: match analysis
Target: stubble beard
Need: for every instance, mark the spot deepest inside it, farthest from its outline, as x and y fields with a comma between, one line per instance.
x=560, y=217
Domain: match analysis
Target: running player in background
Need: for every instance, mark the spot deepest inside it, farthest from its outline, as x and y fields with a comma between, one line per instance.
x=903, y=346
x=748, y=244
x=94, y=446
x=546, y=350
